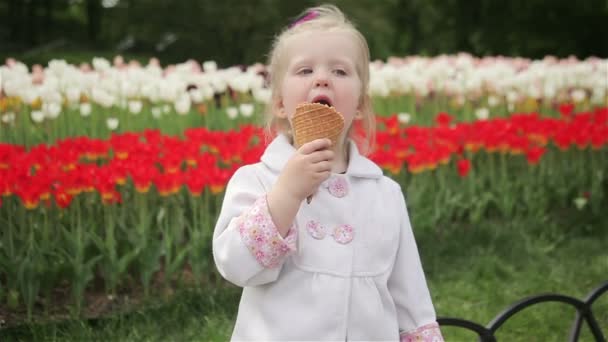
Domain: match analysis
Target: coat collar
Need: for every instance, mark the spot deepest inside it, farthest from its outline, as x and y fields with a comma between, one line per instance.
x=279, y=151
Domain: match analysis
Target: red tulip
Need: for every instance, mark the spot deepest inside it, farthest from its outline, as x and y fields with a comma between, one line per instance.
x=464, y=166
x=443, y=119
x=533, y=155
x=62, y=198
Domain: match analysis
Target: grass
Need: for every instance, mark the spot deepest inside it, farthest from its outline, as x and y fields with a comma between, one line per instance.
x=473, y=273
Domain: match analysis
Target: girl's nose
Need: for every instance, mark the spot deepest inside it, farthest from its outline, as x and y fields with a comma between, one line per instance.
x=321, y=80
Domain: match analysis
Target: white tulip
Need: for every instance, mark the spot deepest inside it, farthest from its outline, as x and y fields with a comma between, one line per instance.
x=246, y=109
x=493, y=101
x=166, y=109
x=72, y=94
x=128, y=89
x=151, y=92
x=101, y=64
x=50, y=94
x=57, y=67
x=240, y=83
x=8, y=118
x=135, y=106
x=51, y=110
x=578, y=95
x=482, y=113
x=598, y=96
x=182, y=104
x=232, y=112
x=262, y=95
x=512, y=96
x=102, y=97
x=210, y=66
x=208, y=92
x=196, y=95
x=404, y=118
x=534, y=92
x=219, y=84
x=37, y=116
x=580, y=202
x=112, y=123
x=29, y=95
x=168, y=90
x=85, y=109
x=549, y=90
x=156, y=112
x=378, y=87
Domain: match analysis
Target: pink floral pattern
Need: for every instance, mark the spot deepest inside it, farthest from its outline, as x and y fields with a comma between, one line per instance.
x=426, y=333
x=337, y=186
x=262, y=237
x=343, y=233
x=315, y=229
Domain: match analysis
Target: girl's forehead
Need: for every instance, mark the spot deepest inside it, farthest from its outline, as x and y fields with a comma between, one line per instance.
x=338, y=44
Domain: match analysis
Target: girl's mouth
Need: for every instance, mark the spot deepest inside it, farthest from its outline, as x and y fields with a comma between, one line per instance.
x=322, y=100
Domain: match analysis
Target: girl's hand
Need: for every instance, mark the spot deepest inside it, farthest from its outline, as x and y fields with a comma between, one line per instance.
x=301, y=176
x=306, y=170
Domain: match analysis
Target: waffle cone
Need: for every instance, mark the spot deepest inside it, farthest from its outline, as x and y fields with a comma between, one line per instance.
x=316, y=121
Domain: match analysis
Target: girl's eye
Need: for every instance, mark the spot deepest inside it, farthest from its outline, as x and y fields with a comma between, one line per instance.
x=304, y=71
x=340, y=72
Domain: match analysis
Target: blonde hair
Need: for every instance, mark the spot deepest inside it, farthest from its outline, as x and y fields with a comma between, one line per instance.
x=325, y=18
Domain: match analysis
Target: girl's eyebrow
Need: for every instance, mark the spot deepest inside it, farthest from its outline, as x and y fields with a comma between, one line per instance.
x=343, y=62
x=299, y=61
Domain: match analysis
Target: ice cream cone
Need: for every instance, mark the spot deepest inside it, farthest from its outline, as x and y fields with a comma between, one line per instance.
x=316, y=121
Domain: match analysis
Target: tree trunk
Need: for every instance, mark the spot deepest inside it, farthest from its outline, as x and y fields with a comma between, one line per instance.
x=94, y=19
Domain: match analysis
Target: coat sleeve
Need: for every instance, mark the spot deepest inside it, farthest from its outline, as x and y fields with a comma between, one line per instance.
x=408, y=287
x=247, y=247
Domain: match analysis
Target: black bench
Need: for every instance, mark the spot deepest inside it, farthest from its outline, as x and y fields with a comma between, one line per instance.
x=583, y=312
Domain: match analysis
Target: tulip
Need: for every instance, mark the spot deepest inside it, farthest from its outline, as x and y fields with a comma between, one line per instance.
x=85, y=109
x=493, y=101
x=578, y=95
x=156, y=112
x=232, y=112
x=482, y=113
x=135, y=106
x=404, y=118
x=182, y=104
x=8, y=118
x=209, y=66
x=246, y=109
x=37, y=116
x=464, y=166
x=51, y=110
x=112, y=123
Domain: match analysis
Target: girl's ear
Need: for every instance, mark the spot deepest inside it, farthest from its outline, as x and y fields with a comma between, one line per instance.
x=362, y=104
x=279, y=109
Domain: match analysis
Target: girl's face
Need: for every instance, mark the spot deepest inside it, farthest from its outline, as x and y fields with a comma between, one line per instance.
x=321, y=68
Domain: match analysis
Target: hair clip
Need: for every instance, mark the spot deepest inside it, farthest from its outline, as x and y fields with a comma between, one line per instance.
x=312, y=14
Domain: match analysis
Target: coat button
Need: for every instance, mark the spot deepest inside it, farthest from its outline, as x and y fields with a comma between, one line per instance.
x=343, y=233
x=315, y=229
x=337, y=186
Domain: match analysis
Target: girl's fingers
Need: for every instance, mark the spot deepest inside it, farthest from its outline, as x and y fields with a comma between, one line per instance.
x=324, y=166
x=319, y=156
x=315, y=145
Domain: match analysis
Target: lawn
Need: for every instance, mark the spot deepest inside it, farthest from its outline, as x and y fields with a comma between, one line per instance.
x=474, y=272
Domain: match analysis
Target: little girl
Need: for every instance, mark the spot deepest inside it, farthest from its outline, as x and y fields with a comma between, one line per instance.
x=345, y=266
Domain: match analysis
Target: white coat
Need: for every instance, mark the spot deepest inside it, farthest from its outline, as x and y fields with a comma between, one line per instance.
x=367, y=289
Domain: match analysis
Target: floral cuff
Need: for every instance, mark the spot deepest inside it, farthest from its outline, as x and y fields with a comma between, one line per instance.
x=262, y=237
x=426, y=333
